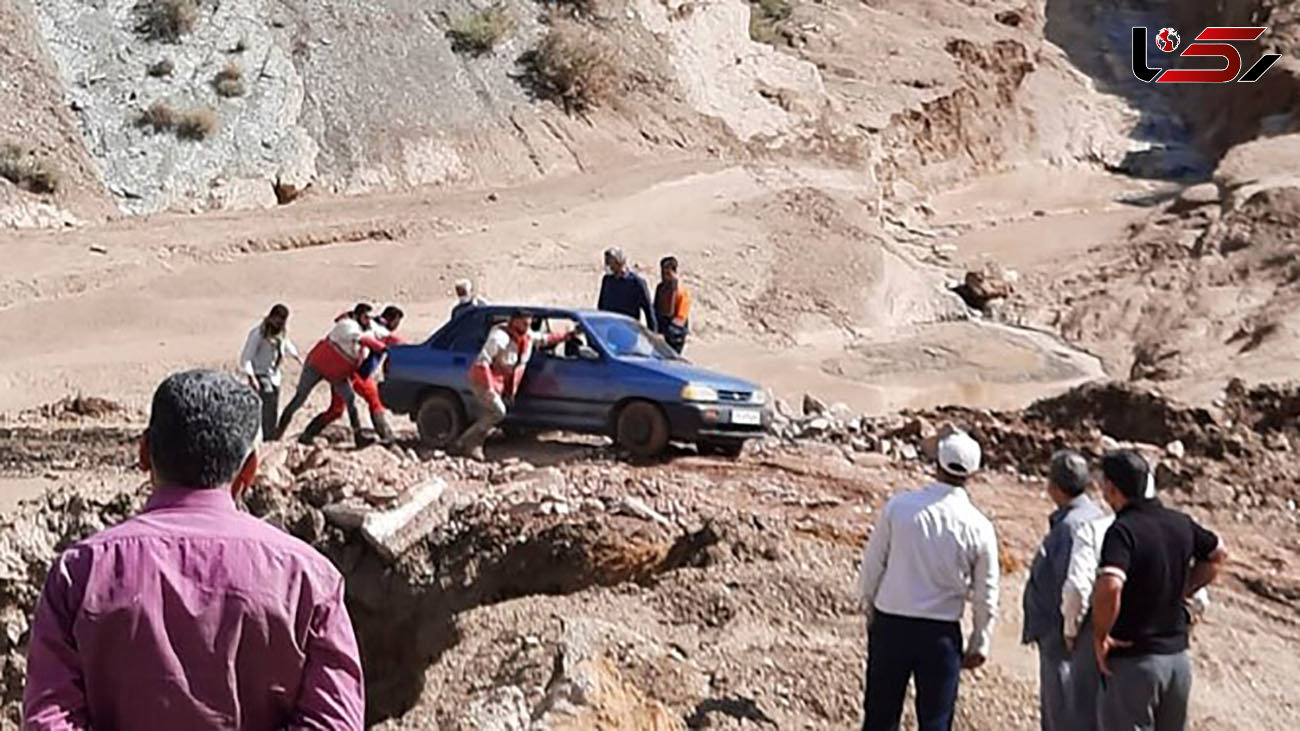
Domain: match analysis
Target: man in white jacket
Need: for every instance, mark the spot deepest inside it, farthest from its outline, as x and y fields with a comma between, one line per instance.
x=931, y=549
x=264, y=352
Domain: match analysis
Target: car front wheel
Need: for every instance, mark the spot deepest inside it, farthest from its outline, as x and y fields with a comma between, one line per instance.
x=642, y=429
x=440, y=420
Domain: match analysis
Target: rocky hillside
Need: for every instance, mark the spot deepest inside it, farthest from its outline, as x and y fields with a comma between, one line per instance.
x=150, y=105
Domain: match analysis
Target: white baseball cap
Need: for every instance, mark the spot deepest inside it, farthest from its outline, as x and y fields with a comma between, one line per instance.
x=959, y=454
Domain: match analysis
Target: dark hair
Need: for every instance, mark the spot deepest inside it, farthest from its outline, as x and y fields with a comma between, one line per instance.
x=391, y=312
x=361, y=309
x=1069, y=472
x=202, y=426
x=668, y=262
x=1127, y=471
x=520, y=314
x=278, y=311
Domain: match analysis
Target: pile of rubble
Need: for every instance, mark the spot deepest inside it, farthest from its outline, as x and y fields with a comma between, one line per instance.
x=1238, y=452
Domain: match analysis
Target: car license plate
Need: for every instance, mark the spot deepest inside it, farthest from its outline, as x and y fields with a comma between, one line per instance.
x=749, y=417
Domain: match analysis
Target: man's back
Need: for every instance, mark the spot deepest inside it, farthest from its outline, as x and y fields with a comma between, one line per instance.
x=936, y=535
x=193, y=615
x=1152, y=548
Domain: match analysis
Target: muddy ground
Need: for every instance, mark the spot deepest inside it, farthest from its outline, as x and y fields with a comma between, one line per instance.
x=561, y=584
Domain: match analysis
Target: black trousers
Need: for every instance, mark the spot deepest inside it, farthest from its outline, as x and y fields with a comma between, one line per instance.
x=901, y=648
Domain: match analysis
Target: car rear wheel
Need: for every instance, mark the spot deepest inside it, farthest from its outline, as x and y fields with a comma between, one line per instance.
x=642, y=429
x=731, y=448
x=440, y=420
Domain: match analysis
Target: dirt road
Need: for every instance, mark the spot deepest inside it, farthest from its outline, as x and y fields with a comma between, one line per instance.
x=854, y=316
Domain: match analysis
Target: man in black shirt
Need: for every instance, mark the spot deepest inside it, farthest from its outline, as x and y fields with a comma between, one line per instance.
x=1152, y=560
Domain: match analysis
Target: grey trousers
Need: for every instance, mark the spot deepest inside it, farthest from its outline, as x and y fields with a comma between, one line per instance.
x=492, y=411
x=270, y=394
x=1067, y=684
x=1146, y=693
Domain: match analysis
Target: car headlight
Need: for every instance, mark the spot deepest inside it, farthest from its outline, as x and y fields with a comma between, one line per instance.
x=696, y=392
x=758, y=398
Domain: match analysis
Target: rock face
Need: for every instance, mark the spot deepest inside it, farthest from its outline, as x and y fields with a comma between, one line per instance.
x=104, y=60
x=350, y=98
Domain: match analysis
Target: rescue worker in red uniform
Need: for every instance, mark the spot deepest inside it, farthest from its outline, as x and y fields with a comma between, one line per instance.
x=364, y=381
x=334, y=359
x=496, y=373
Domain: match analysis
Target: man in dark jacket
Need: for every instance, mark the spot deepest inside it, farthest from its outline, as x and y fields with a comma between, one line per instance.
x=624, y=291
x=1067, y=672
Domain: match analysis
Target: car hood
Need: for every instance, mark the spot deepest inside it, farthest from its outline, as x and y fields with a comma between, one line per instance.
x=694, y=374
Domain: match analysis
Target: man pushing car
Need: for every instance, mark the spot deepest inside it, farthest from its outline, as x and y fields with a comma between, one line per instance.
x=496, y=373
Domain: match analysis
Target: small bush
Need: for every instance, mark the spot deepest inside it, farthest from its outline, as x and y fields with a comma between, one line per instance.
x=166, y=20
x=196, y=124
x=24, y=169
x=187, y=124
x=229, y=81
x=160, y=116
x=163, y=68
x=478, y=32
x=764, y=18
x=575, y=67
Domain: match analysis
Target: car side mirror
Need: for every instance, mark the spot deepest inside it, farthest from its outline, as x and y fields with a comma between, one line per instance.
x=586, y=352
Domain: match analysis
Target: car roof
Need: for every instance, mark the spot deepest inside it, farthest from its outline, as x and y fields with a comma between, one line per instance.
x=536, y=311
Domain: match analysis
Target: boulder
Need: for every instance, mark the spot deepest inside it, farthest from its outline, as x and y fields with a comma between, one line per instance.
x=813, y=406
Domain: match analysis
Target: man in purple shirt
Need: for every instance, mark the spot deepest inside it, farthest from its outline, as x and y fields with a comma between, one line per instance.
x=193, y=615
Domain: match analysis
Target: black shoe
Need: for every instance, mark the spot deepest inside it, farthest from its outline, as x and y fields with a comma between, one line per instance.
x=313, y=430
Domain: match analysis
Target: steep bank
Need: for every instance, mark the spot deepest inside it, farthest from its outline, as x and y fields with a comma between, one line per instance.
x=350, y=99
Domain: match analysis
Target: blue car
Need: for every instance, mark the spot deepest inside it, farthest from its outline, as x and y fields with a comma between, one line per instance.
x=614, y=377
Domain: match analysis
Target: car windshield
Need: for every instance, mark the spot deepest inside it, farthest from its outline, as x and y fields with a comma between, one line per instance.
x=628, y=338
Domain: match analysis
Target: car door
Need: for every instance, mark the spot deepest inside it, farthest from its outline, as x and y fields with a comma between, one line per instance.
x=568, y=386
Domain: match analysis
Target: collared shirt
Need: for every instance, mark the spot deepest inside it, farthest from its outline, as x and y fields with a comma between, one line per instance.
x=1085, y=556
x=1151, y=549
x=931, y=548
x=263, y=356
x=1048, y=574
x=628, y=295
x=192, y=615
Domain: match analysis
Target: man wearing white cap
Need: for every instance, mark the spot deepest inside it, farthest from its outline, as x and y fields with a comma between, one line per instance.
x=931, y=548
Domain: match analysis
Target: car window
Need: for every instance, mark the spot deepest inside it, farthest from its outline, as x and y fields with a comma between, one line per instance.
x=469, y=337
x=628, y=338
x=568, y=350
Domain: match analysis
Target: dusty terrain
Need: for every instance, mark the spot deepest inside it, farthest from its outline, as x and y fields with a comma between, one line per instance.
x=1129, y=268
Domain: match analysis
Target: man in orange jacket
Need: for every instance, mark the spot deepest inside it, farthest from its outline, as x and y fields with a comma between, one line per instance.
x=672, y=305
x=335, y=359
x=496, y=373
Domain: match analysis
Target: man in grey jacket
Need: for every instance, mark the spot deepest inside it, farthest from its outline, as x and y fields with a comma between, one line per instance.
x=1067, y=679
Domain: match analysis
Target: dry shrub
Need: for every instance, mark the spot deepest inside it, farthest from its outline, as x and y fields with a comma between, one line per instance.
x=22, y=167
x=188, y=124
x=575, y=67
x=764, y=18
x=197, y=124
x=478, y=32
x=166, y=20
x=162, y=68
x=160, y=116
x=229, y=81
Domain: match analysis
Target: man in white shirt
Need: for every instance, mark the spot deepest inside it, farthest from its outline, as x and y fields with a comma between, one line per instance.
x=931, y=548
x=264, y=351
